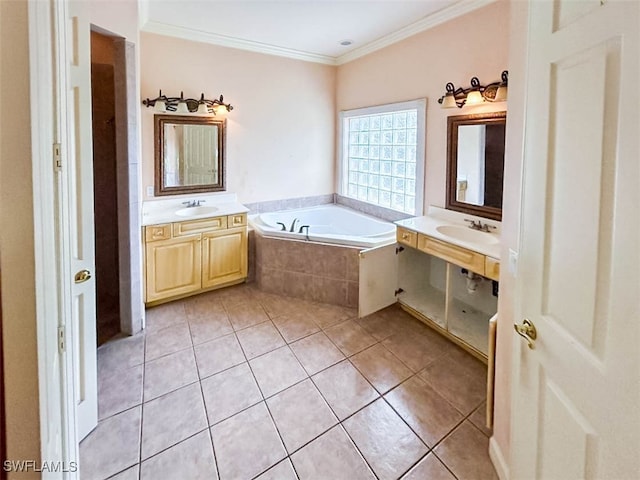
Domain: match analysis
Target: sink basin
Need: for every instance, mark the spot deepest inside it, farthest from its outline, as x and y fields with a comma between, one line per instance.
x=195, y=211
x=468, y=235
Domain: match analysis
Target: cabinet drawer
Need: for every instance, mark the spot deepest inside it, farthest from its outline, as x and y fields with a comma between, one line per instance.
x=452, y=253
x=492, y=268
x=195, y=226
x=239, y=220
x=407, y=237
x=157, y=232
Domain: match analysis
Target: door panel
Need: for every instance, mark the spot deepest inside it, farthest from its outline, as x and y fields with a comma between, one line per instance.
x=173, y=267
x=576, y=392
x=378, y=279
x=224, y=257
x=79, y=206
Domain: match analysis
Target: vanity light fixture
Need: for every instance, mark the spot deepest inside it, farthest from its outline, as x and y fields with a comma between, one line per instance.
x=204, y=106
x=476, y=93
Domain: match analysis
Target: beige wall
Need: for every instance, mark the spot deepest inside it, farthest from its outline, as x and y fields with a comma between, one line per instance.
x=420, y=66
x=280, y=135
x=16, y=237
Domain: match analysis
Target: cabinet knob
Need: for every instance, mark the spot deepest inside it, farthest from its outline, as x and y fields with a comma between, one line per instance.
x=405, y=236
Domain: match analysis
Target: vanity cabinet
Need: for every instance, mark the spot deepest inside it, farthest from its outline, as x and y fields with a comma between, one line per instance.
x=184, y=258
x=435, y=286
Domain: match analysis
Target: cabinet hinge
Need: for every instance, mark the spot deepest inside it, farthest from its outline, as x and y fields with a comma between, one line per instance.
x=399, y=249
x=57, y=157
x=398, y=292
x=61, y=336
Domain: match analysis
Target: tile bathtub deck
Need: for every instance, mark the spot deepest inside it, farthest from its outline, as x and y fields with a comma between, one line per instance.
x=240, y=384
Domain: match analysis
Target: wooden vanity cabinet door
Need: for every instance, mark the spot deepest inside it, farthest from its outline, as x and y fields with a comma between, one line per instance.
x=173, y=267
x=224, y=256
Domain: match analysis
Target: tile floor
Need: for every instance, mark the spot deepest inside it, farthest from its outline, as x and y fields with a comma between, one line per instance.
x=240, y=384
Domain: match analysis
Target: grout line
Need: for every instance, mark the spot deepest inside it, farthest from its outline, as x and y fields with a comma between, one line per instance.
x=142, y=409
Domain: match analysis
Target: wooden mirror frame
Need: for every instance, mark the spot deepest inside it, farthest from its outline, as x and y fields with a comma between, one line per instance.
x=453, y=123
x=159, y=122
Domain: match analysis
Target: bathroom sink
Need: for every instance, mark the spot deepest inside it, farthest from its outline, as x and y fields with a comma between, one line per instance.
x=195, y=211
x=468, y=235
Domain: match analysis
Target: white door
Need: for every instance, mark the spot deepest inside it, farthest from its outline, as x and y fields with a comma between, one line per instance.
x=77, y=216
x=576, y=393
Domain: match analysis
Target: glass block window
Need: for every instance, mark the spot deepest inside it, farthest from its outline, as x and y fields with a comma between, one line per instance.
x=382, y=155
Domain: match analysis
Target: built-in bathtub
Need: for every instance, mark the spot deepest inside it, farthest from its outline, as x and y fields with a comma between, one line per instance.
x=327, y=224
x=322, y=264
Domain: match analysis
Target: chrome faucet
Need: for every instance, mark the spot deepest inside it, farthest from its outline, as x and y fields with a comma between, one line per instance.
x=479, y=225
x=193, y=203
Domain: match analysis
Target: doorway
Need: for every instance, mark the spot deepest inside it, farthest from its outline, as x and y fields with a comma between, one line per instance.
x=105, y=186
x=115, y=171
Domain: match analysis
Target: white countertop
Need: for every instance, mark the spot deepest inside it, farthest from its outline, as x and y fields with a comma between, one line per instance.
x=164, y=210
x=437, y=217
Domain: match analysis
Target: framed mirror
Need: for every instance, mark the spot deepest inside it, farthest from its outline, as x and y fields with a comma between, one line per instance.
x=475, y=163
x=189, y=154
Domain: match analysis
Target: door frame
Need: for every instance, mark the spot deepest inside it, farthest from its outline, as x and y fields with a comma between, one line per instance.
x=48, y=73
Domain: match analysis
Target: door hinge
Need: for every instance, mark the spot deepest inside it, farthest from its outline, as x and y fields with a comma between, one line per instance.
x=398, y=292
x=399, y=249
x=57, y=157
x=61, y=335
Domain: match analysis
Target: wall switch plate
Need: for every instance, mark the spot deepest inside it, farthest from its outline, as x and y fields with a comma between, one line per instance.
x=149, y=190
x=513, y=262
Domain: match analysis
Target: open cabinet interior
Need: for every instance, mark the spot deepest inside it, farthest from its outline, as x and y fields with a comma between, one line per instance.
x=458, y=303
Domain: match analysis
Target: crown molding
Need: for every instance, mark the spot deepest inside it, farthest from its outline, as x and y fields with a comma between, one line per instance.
x=430, y=21
x=232, y=42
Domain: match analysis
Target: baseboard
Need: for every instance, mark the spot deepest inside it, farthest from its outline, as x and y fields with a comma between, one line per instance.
x=499, y=463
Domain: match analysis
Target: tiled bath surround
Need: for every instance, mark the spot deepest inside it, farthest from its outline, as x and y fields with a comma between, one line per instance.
x=308, y=270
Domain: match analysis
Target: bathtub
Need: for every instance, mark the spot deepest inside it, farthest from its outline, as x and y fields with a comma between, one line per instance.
x=329, y=223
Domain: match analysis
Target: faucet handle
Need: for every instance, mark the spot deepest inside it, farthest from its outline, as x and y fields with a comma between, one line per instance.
x=473, y=223
x=187, y=203
x=196, y=203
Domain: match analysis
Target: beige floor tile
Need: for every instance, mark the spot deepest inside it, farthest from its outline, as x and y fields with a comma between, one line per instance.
x=276, y=371
x=119, y=391
x=316, y=352
x=385, y=441
x=326, y=315
x=112, y=446
x=172, y=418
x=260, y=339
x=428, y=413
x=430, y=468
x=226, y=393
x=232, y=296
x=191, y=458
x=165, y=315
x=282, y=471
x=344, y=388
x=128, y=474
x=218, y=355
x=301, y=414
x=331, y=456
x=381, y=368
x=169, y=373
x=458, y=380
x=415, y=350
x=466, y=453
x=246, y=314
x=166, y=341
x=207, y=319
x=121, y=353
x=246, y=444
x=296, y=326
x=278, y=305
x=350, y=337
x=479, y=419
x=379, y=325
